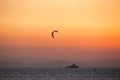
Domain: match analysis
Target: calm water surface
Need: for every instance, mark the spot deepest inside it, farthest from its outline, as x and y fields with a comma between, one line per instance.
x=59, y=74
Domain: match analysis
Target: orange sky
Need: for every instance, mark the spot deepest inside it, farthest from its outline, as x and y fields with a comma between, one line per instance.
x=81, y=23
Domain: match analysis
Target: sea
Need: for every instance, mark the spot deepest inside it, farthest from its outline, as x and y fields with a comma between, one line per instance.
x=59, y=73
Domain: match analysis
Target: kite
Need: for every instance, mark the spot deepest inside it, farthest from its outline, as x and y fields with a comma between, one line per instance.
x=52, y=34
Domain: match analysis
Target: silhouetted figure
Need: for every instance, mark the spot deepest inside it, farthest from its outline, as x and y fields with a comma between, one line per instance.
x=73, y=66
x=94, y=69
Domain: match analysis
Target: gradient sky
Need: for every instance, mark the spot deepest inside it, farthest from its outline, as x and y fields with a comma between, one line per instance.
x=89, y=31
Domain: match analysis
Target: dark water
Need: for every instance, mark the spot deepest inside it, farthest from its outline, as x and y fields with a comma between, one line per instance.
x=59, y=74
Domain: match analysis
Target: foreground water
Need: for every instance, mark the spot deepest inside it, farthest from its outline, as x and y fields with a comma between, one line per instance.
x=59, y=74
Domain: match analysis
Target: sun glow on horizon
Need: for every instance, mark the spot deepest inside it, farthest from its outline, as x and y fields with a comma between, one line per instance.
x=82, y=24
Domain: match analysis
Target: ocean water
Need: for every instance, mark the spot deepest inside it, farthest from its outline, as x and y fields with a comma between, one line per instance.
x=59, y=74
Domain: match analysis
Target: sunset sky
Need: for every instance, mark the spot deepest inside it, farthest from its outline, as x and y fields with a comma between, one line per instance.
x=89, y=32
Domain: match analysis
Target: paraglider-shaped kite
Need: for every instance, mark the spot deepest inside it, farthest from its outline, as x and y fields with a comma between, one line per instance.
x=52, y=34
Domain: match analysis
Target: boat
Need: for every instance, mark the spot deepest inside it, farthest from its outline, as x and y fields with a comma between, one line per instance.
x=72, y=66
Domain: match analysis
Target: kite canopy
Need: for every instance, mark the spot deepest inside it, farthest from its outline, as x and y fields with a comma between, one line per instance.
x=52, y=34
